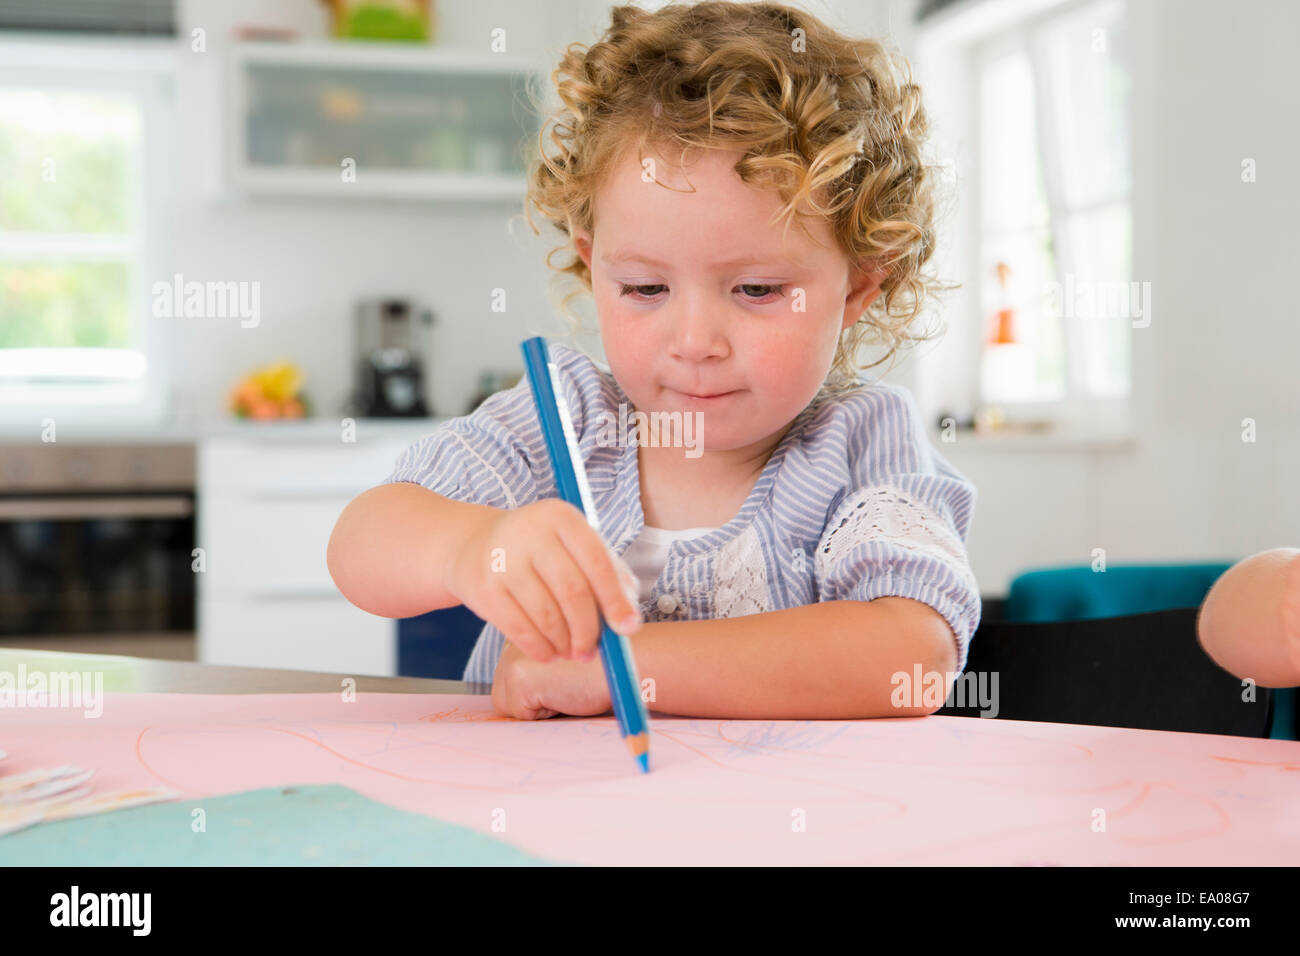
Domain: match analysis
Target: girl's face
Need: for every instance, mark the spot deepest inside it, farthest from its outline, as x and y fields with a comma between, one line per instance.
x=703, y=307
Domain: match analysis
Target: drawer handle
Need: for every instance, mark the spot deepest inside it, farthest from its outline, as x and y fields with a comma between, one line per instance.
x=56, y=509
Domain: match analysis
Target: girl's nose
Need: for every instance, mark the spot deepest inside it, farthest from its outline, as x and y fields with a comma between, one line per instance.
x=698, y=330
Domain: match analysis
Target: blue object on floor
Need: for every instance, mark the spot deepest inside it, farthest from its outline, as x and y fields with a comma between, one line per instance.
x=305, y=825
x=1079, y=593
x=437, y=644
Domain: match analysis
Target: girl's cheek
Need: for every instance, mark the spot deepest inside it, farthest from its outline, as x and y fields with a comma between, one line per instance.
x=632, y=327
x=623, y=338
x=789, y=365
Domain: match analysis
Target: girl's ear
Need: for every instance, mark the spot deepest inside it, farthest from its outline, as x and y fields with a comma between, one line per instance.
x=864, y=285
x=582, y=245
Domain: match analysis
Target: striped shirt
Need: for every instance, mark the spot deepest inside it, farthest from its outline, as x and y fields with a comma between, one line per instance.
x=853, y=504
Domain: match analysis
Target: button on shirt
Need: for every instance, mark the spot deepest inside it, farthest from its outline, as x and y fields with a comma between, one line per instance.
x=853, y=504
x=646, y=557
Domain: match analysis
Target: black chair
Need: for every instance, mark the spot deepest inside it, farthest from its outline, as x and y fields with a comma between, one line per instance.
x=1142, y=670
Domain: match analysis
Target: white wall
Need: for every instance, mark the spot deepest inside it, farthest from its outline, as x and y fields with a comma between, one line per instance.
x=1212, y=85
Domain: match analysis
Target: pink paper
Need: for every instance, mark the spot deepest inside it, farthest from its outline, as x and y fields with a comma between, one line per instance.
x=933, y=790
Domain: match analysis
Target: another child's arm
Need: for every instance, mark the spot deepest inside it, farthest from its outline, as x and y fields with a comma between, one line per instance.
x=1250, y=621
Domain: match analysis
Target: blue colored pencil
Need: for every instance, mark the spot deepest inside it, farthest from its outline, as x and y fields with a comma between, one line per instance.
x=571, y=480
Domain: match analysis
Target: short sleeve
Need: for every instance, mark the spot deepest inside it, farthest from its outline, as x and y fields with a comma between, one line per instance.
x=900, y=530
x=489, y=457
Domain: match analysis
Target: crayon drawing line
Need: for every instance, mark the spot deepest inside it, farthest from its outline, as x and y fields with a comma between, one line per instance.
x=900, y=807
x=1279, y=764
x=1222, y=824
x=352, y=761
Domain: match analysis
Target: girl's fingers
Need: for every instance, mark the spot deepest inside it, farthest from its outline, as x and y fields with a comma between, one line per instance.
x=572, y=592
x=631, y=586
x=591, y=554
x=513, y=622
x=545, y=615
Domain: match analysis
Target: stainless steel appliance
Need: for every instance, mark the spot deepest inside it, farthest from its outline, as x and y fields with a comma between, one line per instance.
x=394, y=339
x=96, y=539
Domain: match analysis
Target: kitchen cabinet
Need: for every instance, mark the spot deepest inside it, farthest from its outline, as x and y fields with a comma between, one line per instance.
x=268, y=497
x=354, y=119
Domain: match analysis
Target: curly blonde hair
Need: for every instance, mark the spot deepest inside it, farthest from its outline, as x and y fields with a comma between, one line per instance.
x=833, y=124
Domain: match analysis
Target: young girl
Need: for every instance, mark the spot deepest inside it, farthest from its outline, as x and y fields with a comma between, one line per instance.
x=795, y=547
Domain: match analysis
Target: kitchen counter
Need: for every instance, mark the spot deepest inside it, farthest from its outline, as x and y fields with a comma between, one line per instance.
x=307, y=429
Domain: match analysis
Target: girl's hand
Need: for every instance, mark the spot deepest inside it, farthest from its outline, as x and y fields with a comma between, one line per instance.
x=529, y=690
x=540, y=573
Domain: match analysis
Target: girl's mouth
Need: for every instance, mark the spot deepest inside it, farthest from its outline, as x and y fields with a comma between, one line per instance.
x=707, y=398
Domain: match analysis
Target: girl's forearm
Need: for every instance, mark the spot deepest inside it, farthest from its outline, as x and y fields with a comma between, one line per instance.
x=391, y=547
x=832, y=660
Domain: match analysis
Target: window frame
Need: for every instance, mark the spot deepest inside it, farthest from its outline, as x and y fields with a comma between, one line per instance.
x=144, y=70
x=974, y=36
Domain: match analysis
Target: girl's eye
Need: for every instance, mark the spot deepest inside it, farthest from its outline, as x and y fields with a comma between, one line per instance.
x=641, y=289
x=752, y=290
x=764, y=290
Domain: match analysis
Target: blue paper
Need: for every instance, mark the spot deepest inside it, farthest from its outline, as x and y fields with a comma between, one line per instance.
x=309, y=825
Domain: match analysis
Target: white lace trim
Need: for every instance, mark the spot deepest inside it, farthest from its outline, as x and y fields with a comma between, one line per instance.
x=890, y=515
x=740, y=577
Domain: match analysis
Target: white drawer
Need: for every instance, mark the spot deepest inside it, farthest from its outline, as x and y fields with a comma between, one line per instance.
x=317, y=634
x=266, y=546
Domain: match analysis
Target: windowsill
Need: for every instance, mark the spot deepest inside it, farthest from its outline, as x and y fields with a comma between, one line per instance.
x=1054, y=439
x=88, y=397
x=76, y=429
x=36, y=409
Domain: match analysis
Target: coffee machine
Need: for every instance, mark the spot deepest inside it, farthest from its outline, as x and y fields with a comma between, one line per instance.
x=393, y=342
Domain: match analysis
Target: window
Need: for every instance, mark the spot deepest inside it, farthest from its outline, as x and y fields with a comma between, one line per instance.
x=78, y=179
x=68, y=192
x=1054, y=226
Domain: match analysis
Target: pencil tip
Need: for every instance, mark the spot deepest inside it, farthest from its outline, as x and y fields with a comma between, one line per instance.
x=644, y=761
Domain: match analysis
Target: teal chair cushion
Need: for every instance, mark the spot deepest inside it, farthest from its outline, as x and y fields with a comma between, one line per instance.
x=1080, y=593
